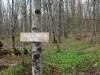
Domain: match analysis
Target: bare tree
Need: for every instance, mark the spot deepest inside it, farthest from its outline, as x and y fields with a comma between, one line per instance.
x=13, y=26
x=1, y=17
x=30, y=14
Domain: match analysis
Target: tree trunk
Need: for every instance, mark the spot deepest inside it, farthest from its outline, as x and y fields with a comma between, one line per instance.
x=13, y=26
x=93, y=25
x=36, y=47
x=30, y=14
x=59, y=26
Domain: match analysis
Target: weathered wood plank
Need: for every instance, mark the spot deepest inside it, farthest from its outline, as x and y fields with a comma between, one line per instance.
x=34, y=37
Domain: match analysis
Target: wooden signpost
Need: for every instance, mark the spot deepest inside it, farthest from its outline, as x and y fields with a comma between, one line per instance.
x=35, y=38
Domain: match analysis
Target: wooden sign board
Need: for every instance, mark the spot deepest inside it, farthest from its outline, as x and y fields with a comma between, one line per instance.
x=34, y=37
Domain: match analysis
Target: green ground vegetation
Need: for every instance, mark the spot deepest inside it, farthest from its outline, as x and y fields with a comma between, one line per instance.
x=74, y=55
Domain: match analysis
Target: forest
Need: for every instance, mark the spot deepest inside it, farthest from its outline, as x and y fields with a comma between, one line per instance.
x=74, y=37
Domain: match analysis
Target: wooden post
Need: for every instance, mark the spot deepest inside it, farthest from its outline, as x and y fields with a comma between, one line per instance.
x=35, y=37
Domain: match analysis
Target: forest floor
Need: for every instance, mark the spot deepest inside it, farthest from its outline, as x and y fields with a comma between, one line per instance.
x=74, y=54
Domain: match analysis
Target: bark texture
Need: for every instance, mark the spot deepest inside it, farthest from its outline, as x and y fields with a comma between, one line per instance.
x=36, y=50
